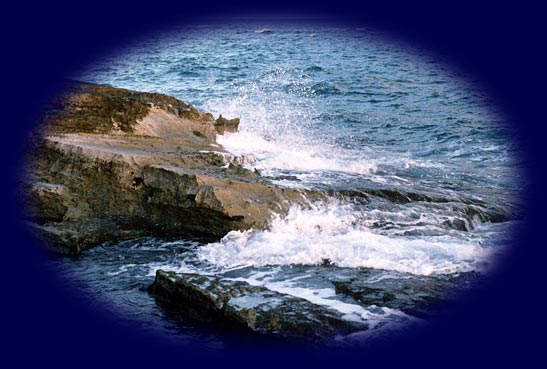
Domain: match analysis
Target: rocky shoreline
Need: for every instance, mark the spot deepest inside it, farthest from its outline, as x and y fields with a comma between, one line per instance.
x=113, y=164
x=110, y=164
x=239, y=306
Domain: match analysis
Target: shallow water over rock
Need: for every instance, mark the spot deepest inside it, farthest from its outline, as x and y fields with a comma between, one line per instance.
x=321, y=303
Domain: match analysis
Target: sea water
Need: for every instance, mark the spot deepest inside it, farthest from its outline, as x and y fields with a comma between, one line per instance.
x=334, y=108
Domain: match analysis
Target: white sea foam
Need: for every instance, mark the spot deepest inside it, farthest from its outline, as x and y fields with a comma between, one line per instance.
x=279, y=132
x=122, y=269
x=373, y=316
x=278, y=129
x=179, y=267
x=390, y=328
x=335, y=232
x=289, y=156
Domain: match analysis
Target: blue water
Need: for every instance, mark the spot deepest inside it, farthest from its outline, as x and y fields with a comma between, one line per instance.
x=354, y=89
x=338, y=108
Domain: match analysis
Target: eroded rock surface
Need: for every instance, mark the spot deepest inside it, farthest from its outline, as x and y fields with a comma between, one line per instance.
x=239, y=305
x=415, y=295
x=111, y=164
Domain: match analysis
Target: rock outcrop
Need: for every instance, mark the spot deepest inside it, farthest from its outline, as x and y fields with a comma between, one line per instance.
x=227, y=300
x=111, y=163
x=416, y=295
x=237, y=305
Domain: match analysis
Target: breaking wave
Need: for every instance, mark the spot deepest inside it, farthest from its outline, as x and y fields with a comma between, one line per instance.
x=272, y=155
x=333, y=233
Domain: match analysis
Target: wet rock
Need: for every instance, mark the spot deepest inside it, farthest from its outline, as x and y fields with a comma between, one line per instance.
x=237, y=305
x=74, y=237
x=412, y=294
x=456, y=223
x=285, y=178
x=226, y=125
x=351, y=196
x=241, y=171
x=470, y=212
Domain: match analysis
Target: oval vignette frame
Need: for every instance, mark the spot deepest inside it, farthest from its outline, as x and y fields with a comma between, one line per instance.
x=54, y=325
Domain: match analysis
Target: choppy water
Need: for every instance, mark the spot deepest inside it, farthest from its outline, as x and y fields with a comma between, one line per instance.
x=333, y=108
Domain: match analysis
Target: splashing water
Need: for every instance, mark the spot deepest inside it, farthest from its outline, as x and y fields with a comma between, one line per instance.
x=433, y=168
x=278, y=131
x=332, y=232
x=270, y=156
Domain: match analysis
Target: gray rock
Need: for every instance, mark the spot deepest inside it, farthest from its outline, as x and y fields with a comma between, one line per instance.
x=237, y=305
x=412, y=294
x=223, y=125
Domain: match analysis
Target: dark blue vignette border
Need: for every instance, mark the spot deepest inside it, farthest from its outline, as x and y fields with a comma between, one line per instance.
x=499, y=45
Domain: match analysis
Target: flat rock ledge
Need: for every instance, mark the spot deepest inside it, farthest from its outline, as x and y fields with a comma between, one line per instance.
x=109, y=164
x=238, y=306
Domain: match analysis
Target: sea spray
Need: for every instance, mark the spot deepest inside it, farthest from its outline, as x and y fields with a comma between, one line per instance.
x=279, y=127
x=279, y=155
x=337, y=233
x=335, y=110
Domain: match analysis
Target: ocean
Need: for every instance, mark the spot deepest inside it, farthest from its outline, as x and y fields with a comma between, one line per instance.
x=427, y=152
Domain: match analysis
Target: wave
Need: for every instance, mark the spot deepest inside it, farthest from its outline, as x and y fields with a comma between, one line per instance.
x=314, y=68
x=279, y=130
x=264, y=30
x=333, y=233
x=272, y=155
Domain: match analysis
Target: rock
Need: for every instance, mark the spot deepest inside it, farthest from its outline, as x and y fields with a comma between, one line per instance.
x=72, y=237
x=237, y=305
x=46, y=193
x=469, y=210
x=226, y=125
x=92, y=108
x=108, y=163
x=412, y=294
x=285, y=178
x=240, y=170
